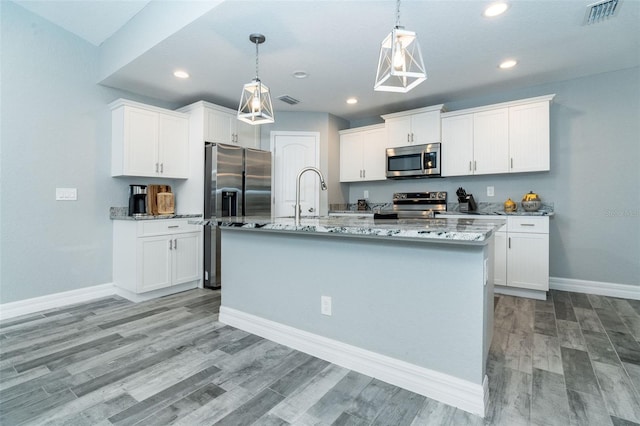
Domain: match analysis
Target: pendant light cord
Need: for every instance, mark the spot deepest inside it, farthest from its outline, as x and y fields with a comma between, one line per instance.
x=257, y=60
x=397, y=13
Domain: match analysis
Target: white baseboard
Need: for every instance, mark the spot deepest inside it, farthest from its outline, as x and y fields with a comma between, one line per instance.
x=142, y=297
x=56, y=300
x=520, y=292
x=467, y=396
x=625, y=291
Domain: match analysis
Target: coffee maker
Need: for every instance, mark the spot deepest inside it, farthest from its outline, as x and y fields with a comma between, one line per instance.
x=137, y=200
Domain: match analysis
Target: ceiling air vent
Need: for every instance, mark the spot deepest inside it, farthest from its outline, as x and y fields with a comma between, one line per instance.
x=598, y=12
x=288, y=99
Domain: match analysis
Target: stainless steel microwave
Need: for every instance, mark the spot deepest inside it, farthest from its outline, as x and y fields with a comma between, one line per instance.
x=413, y=161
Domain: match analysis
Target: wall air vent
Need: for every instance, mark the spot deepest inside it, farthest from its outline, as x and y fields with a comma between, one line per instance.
x=288, y=100
x=600, y=11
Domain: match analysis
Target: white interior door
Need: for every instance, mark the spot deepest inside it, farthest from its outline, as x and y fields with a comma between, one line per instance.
x=293, y=151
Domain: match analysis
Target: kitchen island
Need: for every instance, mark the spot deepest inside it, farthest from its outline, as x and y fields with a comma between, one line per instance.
x=407, y=301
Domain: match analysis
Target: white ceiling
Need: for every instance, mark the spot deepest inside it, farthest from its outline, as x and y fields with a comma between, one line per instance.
x=337, y=43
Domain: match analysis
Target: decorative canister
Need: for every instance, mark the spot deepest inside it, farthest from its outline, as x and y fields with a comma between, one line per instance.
x=510, y=206
x=531, y=202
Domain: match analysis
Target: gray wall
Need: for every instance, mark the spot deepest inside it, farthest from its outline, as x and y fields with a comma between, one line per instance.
x=594, y=180
x=55, y=132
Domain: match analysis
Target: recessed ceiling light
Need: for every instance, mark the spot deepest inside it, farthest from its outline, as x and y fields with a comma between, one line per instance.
x=180, y=74
x=495, y=9
x=300, y=74
x=509, y=63
x=352, y=101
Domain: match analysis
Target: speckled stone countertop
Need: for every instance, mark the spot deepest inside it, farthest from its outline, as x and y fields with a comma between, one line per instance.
x=461, y=231
x=122, y=213
x=492, y=209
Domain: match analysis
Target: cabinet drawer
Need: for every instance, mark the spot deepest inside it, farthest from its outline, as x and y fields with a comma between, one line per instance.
x=533, y=225
x=163, y=227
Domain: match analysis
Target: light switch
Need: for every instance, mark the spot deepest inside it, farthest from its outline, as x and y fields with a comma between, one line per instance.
x=366, y=194
x=325, y=305
x=490, y=191
x=66, y=194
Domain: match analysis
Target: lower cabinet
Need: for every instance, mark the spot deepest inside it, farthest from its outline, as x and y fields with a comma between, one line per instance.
x=522, y=253
x=154, y=254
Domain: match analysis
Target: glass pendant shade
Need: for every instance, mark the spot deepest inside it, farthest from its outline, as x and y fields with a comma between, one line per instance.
x=400, y=66
x=255, y=104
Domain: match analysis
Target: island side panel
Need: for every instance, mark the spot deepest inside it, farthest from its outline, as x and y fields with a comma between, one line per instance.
x=418, y=302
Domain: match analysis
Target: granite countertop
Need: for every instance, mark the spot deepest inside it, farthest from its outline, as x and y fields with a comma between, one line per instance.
x=467, y=230
x=492, y=209
x=122, y=213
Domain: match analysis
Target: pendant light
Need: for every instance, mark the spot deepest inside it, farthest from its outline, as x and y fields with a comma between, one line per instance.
x=400, y=67
x=255, y=100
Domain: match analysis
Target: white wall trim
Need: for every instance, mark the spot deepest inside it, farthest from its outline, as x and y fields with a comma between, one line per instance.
x=520, y=292
x=625, y=291
x=56, y=300
x=448, y=389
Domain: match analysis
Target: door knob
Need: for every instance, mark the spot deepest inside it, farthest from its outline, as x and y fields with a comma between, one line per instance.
x=310, y=209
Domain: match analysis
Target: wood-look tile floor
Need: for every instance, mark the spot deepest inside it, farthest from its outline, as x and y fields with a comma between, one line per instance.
x=574, y=359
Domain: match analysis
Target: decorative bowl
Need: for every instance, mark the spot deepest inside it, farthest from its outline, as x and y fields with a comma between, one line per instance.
x=531, y=206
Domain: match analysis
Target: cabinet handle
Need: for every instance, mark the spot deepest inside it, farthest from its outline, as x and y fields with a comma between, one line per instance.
x=170, y=244
x=527, y=224
x=408, y=137
x=173, y=226
x=156, y=167
x=512, y=162
x=360, y=172
x=175, y=244
x=509, y=242
x=475, y=165
x=161, y=167
x=411, y=137
x=364, y=173
x=470, y=168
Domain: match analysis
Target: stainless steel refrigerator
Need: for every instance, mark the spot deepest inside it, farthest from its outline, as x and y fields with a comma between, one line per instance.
x=237, y=182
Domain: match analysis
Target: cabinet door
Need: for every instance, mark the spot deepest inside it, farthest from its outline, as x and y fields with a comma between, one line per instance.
x=457, y=145
x=218, y=126
x=173, y=142
x=491, y=141
x=374, y=157
x=186, y=258
x=500, y=259
x=529, y=137
x=154, y=265
x=425, y=127
x=141, y=142
x=399, y=131
x=351, y=157
x=528, y=261
x=247, y=135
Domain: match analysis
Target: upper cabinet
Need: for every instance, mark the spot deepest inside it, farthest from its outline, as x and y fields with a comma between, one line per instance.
x=148, y=141
x=362, y=154
x=413, y=127
x=505, y=138
x=221, y=125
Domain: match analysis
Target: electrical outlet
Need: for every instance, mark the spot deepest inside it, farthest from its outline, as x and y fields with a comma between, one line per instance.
x=490, y=191
x=325, y=305
x=66, y=194
x=366, y=194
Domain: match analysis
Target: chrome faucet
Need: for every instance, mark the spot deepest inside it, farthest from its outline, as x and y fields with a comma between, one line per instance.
x=323, y=186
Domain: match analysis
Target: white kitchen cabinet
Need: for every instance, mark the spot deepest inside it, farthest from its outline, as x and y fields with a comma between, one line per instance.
x=500, y=256
x=528, y=252
x=154, y=254
x=222, y=126
x=413, y=127
x=457, y=145
x=511, y=137
x=491, y=142
x=362, y=154
x=148, y=141
x=529, y=137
